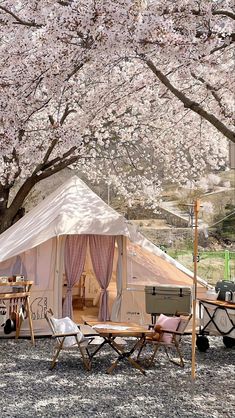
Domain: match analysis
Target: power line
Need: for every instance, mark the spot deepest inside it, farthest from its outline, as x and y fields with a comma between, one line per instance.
x=227, y=216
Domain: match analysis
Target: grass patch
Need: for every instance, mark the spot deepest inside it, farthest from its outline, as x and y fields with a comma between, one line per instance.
x=210, y=266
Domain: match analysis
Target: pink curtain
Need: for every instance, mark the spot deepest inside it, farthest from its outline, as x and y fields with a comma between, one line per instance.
x=75, y=256
x=102, y=253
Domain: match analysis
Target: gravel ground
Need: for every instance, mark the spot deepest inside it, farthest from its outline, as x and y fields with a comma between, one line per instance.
x=29, y=389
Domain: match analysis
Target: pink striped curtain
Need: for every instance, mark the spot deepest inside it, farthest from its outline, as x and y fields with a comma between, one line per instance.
x=75, y=256
x=102, y=253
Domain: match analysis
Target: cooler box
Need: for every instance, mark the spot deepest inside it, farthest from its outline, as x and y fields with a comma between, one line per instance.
x=167, y=299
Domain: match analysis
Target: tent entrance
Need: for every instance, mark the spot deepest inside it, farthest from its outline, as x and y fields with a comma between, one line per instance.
x=86, y=291
x=85, y=296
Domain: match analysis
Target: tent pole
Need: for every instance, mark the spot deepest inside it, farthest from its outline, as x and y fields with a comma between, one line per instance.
x=58, y=286
x=195, y=258
x=124, y=262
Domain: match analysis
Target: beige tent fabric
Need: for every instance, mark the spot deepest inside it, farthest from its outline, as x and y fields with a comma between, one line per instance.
x=73, y=208
x=146, y=268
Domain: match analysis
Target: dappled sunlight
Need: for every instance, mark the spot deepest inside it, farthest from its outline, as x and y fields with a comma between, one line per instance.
x=69, y=390
x=73, y=208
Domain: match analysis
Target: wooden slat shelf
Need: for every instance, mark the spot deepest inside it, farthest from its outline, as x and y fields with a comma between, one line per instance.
x=14, y=295
x=24, y=296
x=22, y=283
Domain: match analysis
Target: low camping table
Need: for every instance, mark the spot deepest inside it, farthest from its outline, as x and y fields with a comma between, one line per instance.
x=218, y=317
x=110, y=330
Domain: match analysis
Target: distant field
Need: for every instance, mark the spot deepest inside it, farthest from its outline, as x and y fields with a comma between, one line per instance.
x=211, y=264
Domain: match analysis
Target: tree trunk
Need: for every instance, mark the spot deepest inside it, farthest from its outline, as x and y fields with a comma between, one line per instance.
x=9, y=215
x=4, y=196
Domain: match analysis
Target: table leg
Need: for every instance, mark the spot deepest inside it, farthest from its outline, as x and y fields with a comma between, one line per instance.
x=122, y=354
x=91, y=355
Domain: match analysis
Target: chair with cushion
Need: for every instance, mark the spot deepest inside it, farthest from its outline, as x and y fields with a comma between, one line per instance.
x=167, y=333
x=67, y=336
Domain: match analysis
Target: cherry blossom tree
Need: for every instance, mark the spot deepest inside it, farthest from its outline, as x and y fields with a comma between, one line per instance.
x=131, y=92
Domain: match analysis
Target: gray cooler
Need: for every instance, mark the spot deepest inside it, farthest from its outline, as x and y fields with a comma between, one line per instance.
x=167, y=299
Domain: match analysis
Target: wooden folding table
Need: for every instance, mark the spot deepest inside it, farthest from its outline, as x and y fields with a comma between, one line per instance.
x=110, y=330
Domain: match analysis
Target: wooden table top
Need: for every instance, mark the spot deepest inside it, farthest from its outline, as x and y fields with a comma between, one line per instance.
x=222, y=303
x=120, y=329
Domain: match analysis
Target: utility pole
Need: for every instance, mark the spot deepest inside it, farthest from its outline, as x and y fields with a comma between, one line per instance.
x=194, y=301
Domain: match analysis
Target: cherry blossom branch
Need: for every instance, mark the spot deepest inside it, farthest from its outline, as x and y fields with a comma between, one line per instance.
x=130, y=158
x=67, y=111
x=212, y=89
x=224, y=13
x=20, y=21
x=218, y=48
x=57, y=159
x=47, y=155
x=58, y=167
x=65, y=2
x=37, y=109
x=45, y=163
x=190, y=104
x=75, y=70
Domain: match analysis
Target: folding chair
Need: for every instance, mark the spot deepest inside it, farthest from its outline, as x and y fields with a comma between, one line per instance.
x=67, y=336
x=173, y=341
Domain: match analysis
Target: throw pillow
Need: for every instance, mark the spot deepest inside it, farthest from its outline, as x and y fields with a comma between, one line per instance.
x=170, y=323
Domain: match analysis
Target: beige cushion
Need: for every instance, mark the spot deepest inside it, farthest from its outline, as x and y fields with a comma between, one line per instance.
x=64, y=326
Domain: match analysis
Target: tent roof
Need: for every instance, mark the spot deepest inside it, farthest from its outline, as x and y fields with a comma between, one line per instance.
x=73, y=208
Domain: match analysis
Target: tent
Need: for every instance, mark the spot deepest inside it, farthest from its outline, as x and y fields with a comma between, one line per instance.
x=35, y=247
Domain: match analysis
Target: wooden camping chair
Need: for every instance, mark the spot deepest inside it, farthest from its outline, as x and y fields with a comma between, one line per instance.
x=174, y=343
x=65, y=340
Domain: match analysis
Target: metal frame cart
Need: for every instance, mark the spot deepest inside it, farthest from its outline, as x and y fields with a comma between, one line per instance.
x=217, y=318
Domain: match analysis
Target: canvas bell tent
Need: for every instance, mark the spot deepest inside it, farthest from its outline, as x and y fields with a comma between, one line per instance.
x=73, y=234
